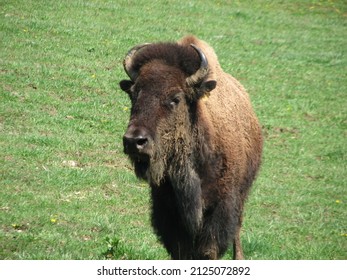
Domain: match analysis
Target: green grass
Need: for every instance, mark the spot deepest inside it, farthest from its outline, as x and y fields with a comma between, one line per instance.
x=66, y=189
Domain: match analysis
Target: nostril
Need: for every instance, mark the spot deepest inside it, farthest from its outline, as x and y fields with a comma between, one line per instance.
x=141, y=143
x=136, y=140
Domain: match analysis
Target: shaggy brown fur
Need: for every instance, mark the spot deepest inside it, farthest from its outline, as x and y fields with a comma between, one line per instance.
x=199, y=147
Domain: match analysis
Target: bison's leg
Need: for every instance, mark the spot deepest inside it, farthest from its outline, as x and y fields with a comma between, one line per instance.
x=217, y=232
x=187, y=188
x=237, y=248
x=168, y=225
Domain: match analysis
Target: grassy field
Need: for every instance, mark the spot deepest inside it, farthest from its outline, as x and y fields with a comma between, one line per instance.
x=66, y=189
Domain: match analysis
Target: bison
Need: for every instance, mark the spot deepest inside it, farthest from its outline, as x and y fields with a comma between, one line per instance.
x=193, y=136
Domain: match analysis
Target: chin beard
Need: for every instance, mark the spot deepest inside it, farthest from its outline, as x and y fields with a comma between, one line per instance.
x=149, y=169
x=141, y=166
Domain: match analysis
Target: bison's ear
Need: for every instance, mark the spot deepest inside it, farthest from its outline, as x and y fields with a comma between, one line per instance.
x=126, y=85
x=205, y=88
x=202, y=80
x=208, y=86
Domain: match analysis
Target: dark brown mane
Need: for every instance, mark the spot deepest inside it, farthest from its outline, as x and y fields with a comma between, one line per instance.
x=183, y=57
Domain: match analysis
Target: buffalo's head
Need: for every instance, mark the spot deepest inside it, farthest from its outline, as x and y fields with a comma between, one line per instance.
x=166, y=82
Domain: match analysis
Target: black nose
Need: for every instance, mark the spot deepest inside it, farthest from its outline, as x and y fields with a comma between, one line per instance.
x=136, y=141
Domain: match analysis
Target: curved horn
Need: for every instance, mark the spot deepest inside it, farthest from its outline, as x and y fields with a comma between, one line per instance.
x=201, y=73
x=128, y=61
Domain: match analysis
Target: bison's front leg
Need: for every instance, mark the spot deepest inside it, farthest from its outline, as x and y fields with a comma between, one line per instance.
x=237, y=248
x=187, y=188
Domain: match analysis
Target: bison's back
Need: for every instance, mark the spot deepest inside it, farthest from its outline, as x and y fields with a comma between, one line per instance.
x=229, y=114
x=237, y=128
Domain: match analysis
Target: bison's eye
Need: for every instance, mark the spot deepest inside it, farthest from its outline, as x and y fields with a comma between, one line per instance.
x=174, y=101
